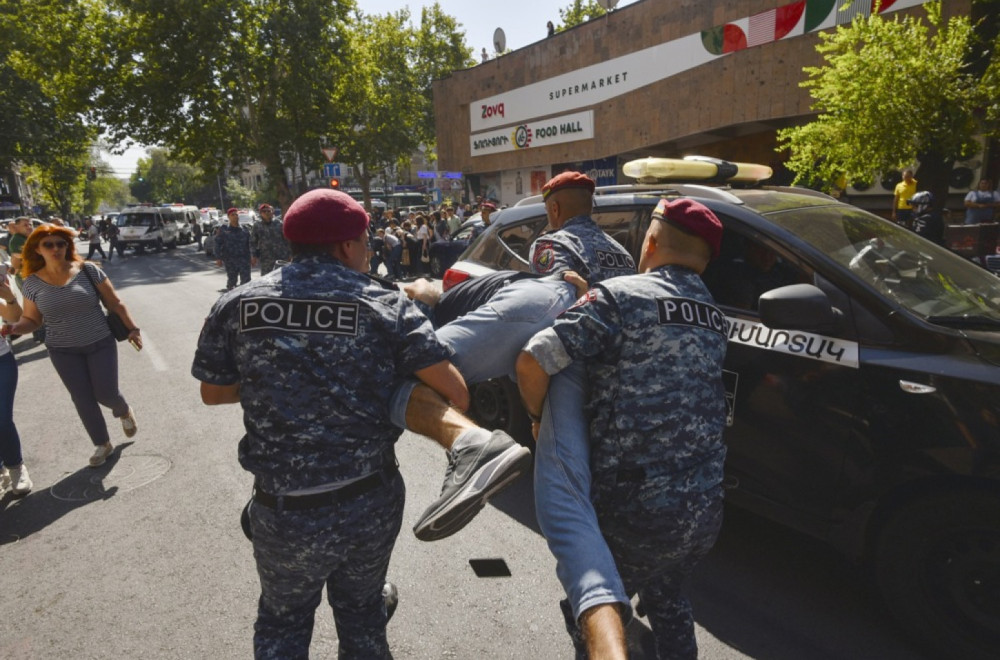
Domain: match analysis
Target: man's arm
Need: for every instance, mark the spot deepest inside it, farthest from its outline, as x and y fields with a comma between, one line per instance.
x=214, y=395
x=533, y=383
x=445, y=379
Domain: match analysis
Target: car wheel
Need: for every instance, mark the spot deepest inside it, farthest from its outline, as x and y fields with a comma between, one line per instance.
x=437, y=268
x=496, y=404
x=172, y=244
x=937, y=563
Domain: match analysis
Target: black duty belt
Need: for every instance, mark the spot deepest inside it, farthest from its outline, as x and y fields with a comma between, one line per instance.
x=328, y=498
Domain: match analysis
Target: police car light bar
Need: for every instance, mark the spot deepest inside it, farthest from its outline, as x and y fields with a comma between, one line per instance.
x=694, y=168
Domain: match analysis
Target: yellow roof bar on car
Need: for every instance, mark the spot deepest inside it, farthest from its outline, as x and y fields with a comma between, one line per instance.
x=694, y=168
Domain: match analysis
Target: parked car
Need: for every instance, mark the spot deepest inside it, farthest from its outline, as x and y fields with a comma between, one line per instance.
x=186, y=217
x=862, y=385
x=147, y=227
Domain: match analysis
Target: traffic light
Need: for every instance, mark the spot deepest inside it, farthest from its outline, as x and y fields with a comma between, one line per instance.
x=335, y=183
x=92, y=173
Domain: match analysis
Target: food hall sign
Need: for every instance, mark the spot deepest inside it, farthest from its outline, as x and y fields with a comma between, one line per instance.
x=533, y=134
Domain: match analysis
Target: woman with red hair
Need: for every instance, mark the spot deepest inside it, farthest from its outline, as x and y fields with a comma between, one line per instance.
x=64, y=293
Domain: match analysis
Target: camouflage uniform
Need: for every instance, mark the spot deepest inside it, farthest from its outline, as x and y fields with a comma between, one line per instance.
x=232, y=246
x=580, y=245
x=268, y=244
x=316, y=352
x=653, y=345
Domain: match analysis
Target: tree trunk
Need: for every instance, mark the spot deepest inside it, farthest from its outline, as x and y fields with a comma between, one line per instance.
x=933, y=175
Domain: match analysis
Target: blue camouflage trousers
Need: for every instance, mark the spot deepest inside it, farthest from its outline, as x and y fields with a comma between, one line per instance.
x=345, y=547
x=657, y=539
x=237, y=268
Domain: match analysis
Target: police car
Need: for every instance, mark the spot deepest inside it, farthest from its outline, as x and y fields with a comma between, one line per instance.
x=862, y=379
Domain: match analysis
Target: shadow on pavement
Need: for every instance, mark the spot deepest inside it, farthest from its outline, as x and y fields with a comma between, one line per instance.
x=24, y=516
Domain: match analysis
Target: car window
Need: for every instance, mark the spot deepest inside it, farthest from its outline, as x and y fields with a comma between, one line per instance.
x=925, y=278
x=623, y=225
x=135, y=220
x=747, y=267
x=464, y=234
x=519, y=237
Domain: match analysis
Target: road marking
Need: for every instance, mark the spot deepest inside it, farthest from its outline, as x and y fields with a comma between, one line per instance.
x=149, y=348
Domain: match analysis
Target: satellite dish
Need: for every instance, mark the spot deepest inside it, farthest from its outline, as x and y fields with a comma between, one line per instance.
x=607, y=4
x=499, y=40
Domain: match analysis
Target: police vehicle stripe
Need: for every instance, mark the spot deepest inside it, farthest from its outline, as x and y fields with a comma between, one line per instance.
x=293, y=315
x=793, y=342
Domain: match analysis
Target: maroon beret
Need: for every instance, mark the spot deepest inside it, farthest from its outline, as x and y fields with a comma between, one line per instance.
x=263, y=206
x=324, y=216
x=490, y=206
x=567, y=180
x=232, y=210
x=694, y=217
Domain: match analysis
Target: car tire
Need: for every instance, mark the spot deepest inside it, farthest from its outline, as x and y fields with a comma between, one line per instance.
x=496, y=404
x=937, y=563
x=437, y=267
x=172, y=245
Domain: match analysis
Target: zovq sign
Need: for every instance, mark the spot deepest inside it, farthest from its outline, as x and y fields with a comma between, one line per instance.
x=533, y=134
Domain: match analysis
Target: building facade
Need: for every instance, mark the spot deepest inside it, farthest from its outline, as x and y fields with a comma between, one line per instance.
x=653, y=78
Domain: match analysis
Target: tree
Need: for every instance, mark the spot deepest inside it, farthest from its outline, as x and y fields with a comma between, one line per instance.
x=579, y=12
x=161, y=179
x=892, y=91
x=52, y=59
x=386, y=93
x=228, y=81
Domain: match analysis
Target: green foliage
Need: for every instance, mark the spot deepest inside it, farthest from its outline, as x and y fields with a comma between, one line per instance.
x=239, y=195
x=165, y=180
x=579, y=12
x=892, y=90
x=386, y=93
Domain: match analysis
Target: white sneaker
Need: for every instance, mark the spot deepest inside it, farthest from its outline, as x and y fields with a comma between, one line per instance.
x=129, y=425
x=101, y=454
x=4, y=480
x=20, y=480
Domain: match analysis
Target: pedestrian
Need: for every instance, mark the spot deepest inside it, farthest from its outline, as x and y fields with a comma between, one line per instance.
x=313, y=376
x=550, y=29
x=423, y=236
x=486, y=210
x=267, y=240
x=13, y=472
x=232, y=249
x=393, y=252
x=113, y=241
x=94, y=238
x=653, y=345
x=927, y=220
x=902, y=212
x=981, y=203
x=377, y=249
x=65, y=294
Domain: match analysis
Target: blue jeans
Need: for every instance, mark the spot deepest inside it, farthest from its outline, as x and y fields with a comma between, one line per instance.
x=486, y=343
x=10, y=441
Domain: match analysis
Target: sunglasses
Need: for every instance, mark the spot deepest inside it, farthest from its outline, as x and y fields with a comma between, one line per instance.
x=53, y=245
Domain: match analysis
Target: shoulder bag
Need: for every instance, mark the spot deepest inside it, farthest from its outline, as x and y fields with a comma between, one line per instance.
x=115, y=323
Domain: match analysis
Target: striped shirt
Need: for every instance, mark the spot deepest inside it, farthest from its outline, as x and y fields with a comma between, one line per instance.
x=72, y=312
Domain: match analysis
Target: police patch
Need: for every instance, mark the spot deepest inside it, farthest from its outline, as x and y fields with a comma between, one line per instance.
x=694, y=313
x=545, y=258
x=291, y=315
x=589, y=297
x=615, y=260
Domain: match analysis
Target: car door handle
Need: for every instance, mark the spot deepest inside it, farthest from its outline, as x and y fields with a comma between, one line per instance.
x=916, y=388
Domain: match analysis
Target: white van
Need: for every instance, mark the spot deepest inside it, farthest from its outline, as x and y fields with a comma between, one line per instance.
x=186, y=216
x=147, y=227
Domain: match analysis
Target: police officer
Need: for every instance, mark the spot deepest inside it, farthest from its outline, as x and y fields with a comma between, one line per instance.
x=653, y=345
x=232, y=247
x=267, y=241
x=311, y=357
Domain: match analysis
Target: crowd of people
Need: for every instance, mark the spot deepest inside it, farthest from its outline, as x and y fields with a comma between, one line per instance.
x=402, y=243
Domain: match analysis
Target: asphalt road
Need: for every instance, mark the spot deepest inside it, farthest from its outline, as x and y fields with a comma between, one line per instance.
x=144, y=557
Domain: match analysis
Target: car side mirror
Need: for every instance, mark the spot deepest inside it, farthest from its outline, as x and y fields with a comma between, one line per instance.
x=799, y=307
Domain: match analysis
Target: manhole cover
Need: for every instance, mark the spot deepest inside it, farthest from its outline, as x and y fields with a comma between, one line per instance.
x=126, y=473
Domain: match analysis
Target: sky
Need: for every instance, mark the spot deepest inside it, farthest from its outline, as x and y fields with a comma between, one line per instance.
x=523, y=23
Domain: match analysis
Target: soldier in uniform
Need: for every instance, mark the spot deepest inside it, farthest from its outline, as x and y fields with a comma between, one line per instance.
x=232, y=249
x=267, y=242
x=312, y=357
x=653, y=345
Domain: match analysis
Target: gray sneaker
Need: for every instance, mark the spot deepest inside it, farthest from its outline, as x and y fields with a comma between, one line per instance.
x=20, y=481
x=475, y=474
